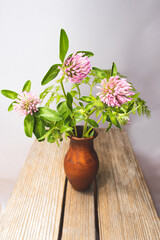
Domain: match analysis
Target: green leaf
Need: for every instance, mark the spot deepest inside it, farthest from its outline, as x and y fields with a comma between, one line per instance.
x=51, y=138
x=123, y=119
x=114, y=120
x=117, y=110
x=81, y=104
x=67, y=120
x=86, y=99
x=29, y=125
x=73, y=93
x=86, y=53
x=62, y=108
x=58, y=142
x=65, y=115
x=46, y=122
x=51, y=74
x=49, y=114
x=65, y=129
x=69, y=101
x=114, y=70
x=78, y=89
x=10, y=108
x=100, y=105
x=122, y=76
x=130, y=107
x=46, y=134
x=39, y=128
x=50, y=100
x=132, y=86
x=143, y=108
x=92, y=133
x=86, y=80
x=58, y=97
x=92, y=122
x=27, y=86
x=9, y=94
x=64, y=45
x=57, y=88
x=79, y=117
x=100, y=73
x=55, y=134
x=88, y=107
x=108, y=118
x=73, y=86
x=135, y=95
x=45, y=92
x=109, y=126
x=97, y=113
x=104, y=117
x=108, y=73
x=72, y=123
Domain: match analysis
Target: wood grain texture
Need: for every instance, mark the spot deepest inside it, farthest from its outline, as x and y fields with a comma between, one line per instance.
x=125, y=207
x=79, y=215
x=33, y=211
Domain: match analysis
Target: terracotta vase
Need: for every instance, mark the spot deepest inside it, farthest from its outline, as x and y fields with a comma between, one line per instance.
x=81, y=161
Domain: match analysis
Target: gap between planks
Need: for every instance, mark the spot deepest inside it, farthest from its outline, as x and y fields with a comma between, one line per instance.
x=64, y=233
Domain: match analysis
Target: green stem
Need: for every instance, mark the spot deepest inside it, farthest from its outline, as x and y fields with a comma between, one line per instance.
x=75, y=104
x=75, y=129
x=78, y=89
x=61, y=82
x=93, y=110
x=91, y=89
x=62, y=86
x=85, y=128
x=100, y=119
x=85, y=125
x=93, y=127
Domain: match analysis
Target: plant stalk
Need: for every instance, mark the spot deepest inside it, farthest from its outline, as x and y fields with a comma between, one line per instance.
x=93, y=110
x=75, y=129
x=85, y=128
x=91, y=89
x=85, y=125
x=63, y=87
x=93, y=127
x=78, y=89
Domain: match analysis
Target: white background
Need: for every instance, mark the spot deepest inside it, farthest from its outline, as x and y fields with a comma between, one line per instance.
x=127, y=32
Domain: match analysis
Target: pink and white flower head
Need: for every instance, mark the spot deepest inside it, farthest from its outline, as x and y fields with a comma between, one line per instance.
x=26, y=103
x=77, y=67
x=115, y=91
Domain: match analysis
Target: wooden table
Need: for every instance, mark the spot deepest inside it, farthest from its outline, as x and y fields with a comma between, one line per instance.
x=117, y=206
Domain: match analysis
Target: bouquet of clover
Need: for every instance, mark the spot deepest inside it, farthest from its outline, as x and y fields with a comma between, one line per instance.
x=116, y=98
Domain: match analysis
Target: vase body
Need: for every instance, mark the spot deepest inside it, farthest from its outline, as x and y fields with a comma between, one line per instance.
x=81, y=161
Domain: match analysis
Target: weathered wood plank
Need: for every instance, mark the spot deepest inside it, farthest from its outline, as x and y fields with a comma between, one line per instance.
x=79, y=215
x=33, y=211
x=125, y=207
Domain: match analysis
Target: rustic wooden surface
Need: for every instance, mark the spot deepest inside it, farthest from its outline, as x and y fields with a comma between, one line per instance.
x=43, y=205
x=79, y=215
x=125, y=207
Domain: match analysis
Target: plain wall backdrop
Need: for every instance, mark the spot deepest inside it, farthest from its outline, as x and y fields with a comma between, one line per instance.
x=127, y=32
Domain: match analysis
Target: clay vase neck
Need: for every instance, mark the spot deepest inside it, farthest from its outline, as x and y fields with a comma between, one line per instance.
x=81, y=162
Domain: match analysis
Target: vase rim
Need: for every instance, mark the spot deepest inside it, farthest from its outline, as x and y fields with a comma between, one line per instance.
x=84, y=139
